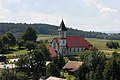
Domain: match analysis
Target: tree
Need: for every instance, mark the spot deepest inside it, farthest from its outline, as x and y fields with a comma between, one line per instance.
x=5, y=41
x=29, y=35
x=98, y=73
x=44, y=49
x=7, y=74
x=59, y=61
x=33, y=65
x=1, y=44
x=52, y=70
x=30, y=45
x=112, y=70
x=8, y=39
x=22, y=76
x=12, y=39
x=112, y=44
x=94, y=65
x=20, y=43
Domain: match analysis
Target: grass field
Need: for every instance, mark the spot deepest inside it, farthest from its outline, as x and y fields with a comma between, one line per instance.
x=101, y=44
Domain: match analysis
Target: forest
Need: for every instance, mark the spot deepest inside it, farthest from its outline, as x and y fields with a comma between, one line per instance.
x=18, y=28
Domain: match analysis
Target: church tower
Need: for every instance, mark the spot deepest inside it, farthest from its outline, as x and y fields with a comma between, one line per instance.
x=62, y=41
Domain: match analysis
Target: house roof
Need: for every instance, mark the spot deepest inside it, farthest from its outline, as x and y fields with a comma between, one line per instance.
x=62, y=27
x=55, y=78
x=52, y=52
x=72, y=66
x=75, y=41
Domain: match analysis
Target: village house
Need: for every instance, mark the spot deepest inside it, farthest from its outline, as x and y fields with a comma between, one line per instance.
x=68, y=45
x=72, y=67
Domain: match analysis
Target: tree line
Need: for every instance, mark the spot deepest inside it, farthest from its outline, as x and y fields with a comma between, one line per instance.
x=18, y=28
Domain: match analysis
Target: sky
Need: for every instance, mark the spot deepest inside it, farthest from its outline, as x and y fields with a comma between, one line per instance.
x=87, y=15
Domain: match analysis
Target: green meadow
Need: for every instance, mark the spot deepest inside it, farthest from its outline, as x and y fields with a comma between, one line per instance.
x=101, y=45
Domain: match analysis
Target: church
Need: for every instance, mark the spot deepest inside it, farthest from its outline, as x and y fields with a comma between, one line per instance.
x=69, y=45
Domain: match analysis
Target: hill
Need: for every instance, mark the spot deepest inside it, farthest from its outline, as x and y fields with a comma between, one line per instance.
x=19, y=28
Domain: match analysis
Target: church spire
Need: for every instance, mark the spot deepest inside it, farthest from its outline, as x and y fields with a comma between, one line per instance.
x=62, y=27
x=62, y=30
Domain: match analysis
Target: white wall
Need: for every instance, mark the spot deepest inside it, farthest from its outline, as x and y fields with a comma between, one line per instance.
x=55, y=45
x=62, y=42
x=74, y=51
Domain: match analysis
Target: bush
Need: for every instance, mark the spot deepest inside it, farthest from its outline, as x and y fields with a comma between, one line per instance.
x=112, y=44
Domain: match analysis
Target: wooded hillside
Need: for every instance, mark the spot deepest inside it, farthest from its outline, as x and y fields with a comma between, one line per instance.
x=18, y=28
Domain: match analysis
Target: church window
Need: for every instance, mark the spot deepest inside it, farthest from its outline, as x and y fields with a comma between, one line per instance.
x=78, y=49
x=73, y=49
x=70, y=49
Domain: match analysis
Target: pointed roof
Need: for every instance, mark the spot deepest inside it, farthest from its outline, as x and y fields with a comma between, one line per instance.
x=62, y=27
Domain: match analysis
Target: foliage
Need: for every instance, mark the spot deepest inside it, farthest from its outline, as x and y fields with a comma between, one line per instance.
x=7, y=74
x=44, y=49
x=12, y=39
x=8, y=39
x=18, y=28
x=59, y=61
x=94, y=63
x=29, y=35
x=1, y=44
x=112, y=44
x=21, y=76
x=20, y=43
x=33, y=64
x=52, y=70
x=30, y=45
x=112, y=70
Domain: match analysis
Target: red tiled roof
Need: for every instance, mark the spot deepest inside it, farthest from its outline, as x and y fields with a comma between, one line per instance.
x=52, y=52
x=75, y=41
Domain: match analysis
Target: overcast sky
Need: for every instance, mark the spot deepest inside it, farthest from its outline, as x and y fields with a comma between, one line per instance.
x=89, y=15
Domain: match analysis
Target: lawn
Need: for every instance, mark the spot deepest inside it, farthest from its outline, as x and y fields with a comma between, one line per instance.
x=15, y=52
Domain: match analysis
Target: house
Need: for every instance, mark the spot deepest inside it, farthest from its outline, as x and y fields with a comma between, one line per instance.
x=69, y=45
x=72, y=67
x=55, y=78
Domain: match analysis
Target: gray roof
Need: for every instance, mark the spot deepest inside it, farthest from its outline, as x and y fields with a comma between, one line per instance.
x=62, y=27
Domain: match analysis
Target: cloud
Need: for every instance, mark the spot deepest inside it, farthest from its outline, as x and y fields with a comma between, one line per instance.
x=104, y=10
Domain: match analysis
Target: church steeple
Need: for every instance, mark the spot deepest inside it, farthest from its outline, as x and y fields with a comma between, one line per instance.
x=62, y=30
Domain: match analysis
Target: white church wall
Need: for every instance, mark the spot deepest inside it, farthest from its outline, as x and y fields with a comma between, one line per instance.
x=55, y=45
